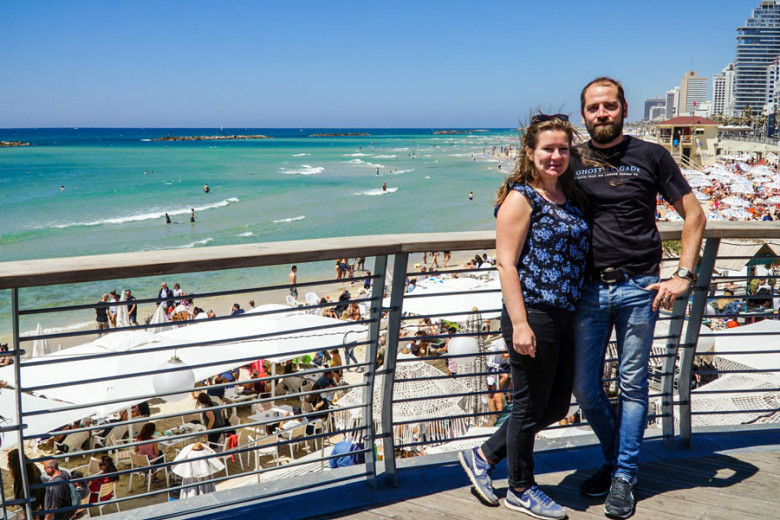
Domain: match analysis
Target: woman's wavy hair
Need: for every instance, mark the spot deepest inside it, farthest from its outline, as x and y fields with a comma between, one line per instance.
x=525, y=171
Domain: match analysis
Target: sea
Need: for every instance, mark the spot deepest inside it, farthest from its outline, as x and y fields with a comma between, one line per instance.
x=89, y=191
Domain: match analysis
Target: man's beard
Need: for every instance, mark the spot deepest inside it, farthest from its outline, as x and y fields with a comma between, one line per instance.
x=604, y=134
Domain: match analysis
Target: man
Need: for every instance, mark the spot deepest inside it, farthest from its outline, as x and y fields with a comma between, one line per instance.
x=101, y=314
x=165, y=296
x=623, y=289
x=58, y=494
x=132, y=307
x=293, y=277
x=236, y=310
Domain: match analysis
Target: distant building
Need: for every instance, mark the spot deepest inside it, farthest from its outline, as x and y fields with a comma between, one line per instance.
x=672, y=102
x=772, y=84
x=758, y=44
x=650, y=103
x=693, y=91
x=658, y=112
x=723, y=92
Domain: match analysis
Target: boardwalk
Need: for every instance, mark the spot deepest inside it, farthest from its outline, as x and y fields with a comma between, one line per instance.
x=740, y=486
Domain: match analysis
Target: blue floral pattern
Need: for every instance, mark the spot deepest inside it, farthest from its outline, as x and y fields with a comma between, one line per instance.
x=552, y=263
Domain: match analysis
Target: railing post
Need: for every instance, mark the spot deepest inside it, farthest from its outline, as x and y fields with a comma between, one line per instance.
x=701, y=289
x=18, y=395
x=667, y=379
x=391, y=353
x=377, y=292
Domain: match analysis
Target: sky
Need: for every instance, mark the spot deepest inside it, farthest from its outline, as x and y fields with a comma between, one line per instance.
x=341, y=64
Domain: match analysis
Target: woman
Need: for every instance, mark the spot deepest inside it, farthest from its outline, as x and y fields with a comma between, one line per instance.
x=150, y=449
x=211, y=418
x=106, y=466
x=33, y=477
x=541, y=245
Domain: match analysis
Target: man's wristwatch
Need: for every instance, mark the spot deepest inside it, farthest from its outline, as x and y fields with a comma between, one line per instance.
x=683, y=272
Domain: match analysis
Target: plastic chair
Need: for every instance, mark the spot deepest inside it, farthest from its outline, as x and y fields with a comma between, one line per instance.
x=299, y=432
x=107, y=492
x=141, y=462
x=267, y=445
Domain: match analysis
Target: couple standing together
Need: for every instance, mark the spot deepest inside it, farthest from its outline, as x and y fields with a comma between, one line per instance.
x=578, y=255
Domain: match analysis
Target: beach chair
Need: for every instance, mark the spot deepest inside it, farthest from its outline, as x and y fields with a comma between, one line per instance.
x=299, y=432
x=141, y=463
x=291, y=301
x=267, y=445
x=92, y=468
x=107, y=492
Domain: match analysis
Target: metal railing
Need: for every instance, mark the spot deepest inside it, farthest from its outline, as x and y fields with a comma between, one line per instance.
x=675, y=362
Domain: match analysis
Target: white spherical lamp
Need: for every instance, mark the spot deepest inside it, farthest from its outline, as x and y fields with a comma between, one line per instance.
x=463, y=345
x=182, y=379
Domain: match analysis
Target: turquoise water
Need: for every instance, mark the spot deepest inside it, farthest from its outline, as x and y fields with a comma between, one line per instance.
x=118, y=185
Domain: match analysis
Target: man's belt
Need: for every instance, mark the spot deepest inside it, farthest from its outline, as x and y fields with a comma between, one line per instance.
x=611, y=275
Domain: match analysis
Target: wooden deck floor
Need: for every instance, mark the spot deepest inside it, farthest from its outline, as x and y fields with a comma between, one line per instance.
x=737, y=486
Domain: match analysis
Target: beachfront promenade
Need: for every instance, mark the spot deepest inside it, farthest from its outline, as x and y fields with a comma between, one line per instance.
x=717, y=442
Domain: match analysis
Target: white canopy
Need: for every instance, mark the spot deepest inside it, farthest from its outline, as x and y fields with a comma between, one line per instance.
x=765, y=336
x=434, y=298
x=36, y=424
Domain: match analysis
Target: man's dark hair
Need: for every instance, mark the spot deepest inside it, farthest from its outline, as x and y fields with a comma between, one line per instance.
x=604, y=80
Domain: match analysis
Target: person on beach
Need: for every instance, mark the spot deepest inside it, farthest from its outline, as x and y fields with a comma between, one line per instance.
x=132, y=307
x=471, y=195
x=112, y=310
x=293, y=278
x=101, y=314
x=165, y=296
x=542, y=241
x=623, y=291
x=107, y=467
x=57, y=495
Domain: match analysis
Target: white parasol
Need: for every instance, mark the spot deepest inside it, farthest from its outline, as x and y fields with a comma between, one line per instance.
x=40, y=347
x=736, y=202
x=160, y=316
x=122, y=316
x=195, y=471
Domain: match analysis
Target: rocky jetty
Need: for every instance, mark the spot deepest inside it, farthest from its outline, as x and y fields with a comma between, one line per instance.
x=5, y=144
x=209, y=137
x=449, y=132
x=340, y=135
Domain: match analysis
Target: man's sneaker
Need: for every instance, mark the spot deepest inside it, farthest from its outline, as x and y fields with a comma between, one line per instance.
x=597, y=485
x=534, y=502
x=479, y=472
x=620, y=502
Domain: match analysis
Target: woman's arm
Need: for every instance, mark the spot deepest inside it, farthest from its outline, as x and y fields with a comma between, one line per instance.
x=211, y=419
x=512, y=224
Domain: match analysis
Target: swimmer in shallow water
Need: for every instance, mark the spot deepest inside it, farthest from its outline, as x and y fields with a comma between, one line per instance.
x=192, y=215
x=384, y=186
x=167, y=219
x=206, y=188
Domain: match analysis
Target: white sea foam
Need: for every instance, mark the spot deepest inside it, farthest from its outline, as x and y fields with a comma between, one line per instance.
x=146, y=140
x=198, y=243
x=385, y=157
x=405, y=149
x=427, y=176
x=246, y=234
x=291, y=219
x=361, y=162
x=378, y=191
x=150, y=215
x=397, y=172
x=358, y=154
x=301, y=154
x=305, y=169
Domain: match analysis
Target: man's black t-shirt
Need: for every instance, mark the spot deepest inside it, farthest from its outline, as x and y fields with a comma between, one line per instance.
x=622, y=202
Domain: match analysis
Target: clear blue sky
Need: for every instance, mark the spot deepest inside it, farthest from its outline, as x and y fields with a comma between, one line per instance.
x=287, y=63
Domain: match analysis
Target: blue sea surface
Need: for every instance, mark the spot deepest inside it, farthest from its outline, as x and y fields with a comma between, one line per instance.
x=95, y=191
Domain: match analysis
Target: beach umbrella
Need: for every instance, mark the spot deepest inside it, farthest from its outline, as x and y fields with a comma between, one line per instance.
x=194, y=471
x=736, y=202
x=436, y=298
x=700, y=196
x=40, y=346
x=736, y=213
x=699, y=182
x=122, y=315
x=35, y=424
x=159, y=317
x=774, y=199
x=743, y=189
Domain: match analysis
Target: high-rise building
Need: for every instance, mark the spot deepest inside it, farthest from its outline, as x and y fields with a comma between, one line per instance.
x=650, y=103
x=723, y=92
x=672, y=102
x=773, y=83
x=657, y=112
x=693, y=91
x=758, y=44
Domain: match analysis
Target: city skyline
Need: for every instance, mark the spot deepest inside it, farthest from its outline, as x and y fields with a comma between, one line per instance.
x=368, y=64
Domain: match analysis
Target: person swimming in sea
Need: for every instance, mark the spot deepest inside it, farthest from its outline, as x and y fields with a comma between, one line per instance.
x=167, y=219
x=192, y=215
x=206, y=188
x=384, y=186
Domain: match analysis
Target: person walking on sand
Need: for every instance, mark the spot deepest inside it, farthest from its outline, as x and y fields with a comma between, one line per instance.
x=293, y=277
x=623, y=291
x=542, y=241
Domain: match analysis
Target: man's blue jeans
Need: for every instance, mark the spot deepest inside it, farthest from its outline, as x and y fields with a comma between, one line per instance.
x=626, y=307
